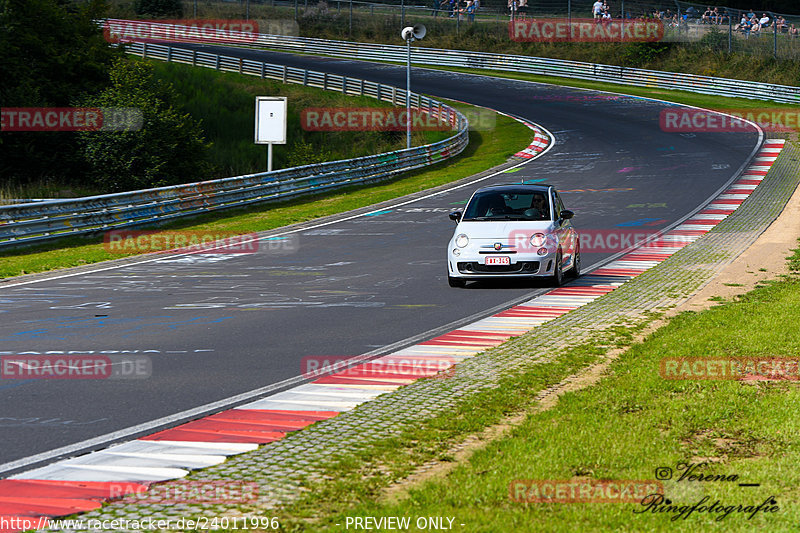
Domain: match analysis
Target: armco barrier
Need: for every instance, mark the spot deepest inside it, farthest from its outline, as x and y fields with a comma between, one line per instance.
x=34, y=222
x=422, y=56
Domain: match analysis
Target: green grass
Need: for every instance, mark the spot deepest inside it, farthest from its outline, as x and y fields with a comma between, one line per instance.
x=623, y=428
x=225, y=103
x=486, y=149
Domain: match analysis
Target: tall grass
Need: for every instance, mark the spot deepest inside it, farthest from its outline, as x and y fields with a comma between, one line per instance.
x=225, y=102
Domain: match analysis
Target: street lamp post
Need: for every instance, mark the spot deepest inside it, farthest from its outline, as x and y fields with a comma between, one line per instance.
x=410, y=34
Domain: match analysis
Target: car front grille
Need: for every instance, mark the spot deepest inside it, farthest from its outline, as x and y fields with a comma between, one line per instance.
x=523, y=267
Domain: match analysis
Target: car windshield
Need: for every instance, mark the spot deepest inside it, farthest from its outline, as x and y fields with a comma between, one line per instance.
x=508, y=205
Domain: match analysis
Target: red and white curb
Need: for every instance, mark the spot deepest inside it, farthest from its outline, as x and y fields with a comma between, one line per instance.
x=82, y=483
x=540, y=142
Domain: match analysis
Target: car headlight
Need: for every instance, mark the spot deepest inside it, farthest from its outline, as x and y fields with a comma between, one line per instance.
x=538, y=239
x=462, y=240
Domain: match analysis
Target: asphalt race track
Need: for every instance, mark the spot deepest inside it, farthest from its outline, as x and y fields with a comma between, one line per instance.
x=218, y=325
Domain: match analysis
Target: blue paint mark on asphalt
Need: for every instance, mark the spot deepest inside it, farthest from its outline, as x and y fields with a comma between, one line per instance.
x=17, y=384
x=61, y=328
x=376, y=213
x=537, y=180
x=640, y=222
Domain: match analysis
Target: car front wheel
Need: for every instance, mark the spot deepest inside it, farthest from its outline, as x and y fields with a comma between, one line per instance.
x=575, y=271
x=558, y=271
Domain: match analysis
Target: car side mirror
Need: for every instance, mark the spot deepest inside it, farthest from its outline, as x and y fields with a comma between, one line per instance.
x=566, y=214
x=455, y=216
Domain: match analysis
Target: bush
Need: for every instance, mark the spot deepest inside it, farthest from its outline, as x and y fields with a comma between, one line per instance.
x=159, y=8
x=715, y=39
x=168, y=149
x=640, y=54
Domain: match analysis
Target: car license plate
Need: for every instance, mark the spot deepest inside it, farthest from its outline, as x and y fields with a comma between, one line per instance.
x=498, y=260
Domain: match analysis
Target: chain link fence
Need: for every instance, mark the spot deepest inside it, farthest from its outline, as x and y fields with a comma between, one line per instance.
x=722, y=28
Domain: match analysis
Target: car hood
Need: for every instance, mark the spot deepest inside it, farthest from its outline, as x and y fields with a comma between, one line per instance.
x=501, y=230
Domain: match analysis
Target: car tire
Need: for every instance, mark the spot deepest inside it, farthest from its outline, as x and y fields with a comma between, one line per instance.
x=575, y=271
x=558, y=271
x=456, y=282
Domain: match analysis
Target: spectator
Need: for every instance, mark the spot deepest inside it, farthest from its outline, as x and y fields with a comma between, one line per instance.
x=523, y=8
x=437, y=4
x=513, y=6
x=793, y=32
x=764, y=20
x=706, y=18
x=744, y=25
x=471, y=10
x=451, y=7
x=780, y=25
x=751, y=14
x=597, y=10
x=755, y=28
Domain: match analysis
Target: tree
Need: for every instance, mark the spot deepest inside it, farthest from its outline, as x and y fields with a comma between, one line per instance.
x=168, y=149
x=50, y=53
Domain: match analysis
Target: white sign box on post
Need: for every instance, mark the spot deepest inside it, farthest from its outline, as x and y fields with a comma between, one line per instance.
x=271, y=113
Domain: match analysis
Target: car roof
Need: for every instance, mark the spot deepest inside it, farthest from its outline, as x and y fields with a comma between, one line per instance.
x=538, y=187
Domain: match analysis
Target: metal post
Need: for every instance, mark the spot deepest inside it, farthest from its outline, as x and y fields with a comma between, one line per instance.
x=195, y=8
x=247, y=10
x=269, y=157
x=295, y=10
x=730, y=31
x=403, y=13
x=774, y=35
x=350, y=30
x=622, y=24
x=569, y=19
x=408, y=95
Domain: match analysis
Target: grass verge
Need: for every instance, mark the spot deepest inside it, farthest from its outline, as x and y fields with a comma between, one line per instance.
x=627, y=426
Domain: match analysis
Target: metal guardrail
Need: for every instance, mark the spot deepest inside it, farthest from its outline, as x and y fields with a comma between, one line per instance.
x=26, y=223
x=534, y=65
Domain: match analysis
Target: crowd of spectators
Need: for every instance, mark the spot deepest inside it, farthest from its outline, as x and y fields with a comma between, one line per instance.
x=745, y=22
x=456, y=8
